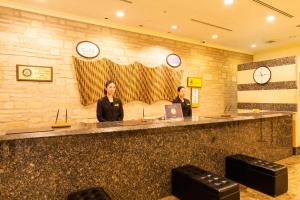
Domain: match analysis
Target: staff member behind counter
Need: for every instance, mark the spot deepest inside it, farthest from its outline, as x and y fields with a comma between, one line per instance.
x=185, y=103
x=109, y=108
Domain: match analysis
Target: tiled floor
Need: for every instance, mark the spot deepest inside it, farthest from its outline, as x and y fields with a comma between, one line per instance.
x=293, y=164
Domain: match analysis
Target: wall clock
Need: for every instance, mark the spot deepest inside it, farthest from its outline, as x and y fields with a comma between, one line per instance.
x=262, y=75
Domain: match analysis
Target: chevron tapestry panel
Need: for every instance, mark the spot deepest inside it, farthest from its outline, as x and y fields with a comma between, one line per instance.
x=134, y=82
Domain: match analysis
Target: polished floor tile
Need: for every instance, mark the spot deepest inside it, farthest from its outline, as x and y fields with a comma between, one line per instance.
x=293, y=164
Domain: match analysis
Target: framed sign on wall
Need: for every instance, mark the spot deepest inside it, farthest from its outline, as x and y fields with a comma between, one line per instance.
x=173, y=60
x=195, y=97
x=87, y=49
x=194, y=82
x=34, y=73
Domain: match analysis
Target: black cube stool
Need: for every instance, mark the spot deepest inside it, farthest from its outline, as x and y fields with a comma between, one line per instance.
x=192, y=183
x=267, y=177
x=96, y=193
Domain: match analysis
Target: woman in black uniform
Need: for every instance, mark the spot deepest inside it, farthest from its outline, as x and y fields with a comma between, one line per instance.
x=185, y=103
x=109, y=108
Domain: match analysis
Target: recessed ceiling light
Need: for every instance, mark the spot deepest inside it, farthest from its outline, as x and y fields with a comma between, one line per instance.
x=270, y=18
x=253, y=46
x=228, y=2
x=120, y=13
x=214, y=36
x=174, y=26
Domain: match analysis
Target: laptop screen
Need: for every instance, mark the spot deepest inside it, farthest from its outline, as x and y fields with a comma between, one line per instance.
x=173, y=111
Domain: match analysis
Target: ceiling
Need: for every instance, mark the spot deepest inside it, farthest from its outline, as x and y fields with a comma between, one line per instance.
x=246, y=19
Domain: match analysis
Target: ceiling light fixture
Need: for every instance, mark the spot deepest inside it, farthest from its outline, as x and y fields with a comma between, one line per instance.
x=214, y=36
x=228, y=2
x=120, y=13
x=253, y=46
x=174, y=27
x=270, y=18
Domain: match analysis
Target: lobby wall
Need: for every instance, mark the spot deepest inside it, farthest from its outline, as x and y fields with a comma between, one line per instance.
x=34, y=39
x=289, y=50
x=279, y=94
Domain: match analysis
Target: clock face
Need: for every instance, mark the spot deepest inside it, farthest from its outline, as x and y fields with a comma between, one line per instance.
x=173, y=60
x=262, y=75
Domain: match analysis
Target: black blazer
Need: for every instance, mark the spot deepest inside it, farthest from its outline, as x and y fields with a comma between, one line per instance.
x=186, y=106
x=107, y=111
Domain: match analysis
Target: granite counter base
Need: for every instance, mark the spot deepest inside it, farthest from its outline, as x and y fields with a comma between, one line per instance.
x=133, y=165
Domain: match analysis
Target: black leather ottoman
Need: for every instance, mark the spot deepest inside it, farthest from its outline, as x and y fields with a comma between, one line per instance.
x=96, y=193
x=192, y=183
x=267, y=177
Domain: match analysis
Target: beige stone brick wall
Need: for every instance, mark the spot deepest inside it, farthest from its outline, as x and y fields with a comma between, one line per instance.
x=34, y=39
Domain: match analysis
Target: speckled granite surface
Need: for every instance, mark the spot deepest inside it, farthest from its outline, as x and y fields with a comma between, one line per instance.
x=292, y=107
x=270, y=86
x=133, y=161
x=269, y=63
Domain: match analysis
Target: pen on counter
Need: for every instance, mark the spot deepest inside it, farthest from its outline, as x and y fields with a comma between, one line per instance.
x=57, y=116
x=225, y=108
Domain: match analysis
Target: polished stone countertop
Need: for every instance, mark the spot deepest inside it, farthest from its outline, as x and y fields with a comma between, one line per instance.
x=125, y=126
x=133, y=159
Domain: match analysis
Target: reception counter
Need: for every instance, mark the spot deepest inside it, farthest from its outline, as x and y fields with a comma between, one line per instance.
x=132, y=160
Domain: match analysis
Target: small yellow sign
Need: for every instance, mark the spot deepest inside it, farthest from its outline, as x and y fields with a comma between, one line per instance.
x=194, y=82
x=34, y=73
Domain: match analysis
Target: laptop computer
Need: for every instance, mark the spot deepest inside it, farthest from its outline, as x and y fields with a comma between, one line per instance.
x=173, y=111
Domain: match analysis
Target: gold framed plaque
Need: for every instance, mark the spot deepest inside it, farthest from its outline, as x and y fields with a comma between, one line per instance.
x=34, y=73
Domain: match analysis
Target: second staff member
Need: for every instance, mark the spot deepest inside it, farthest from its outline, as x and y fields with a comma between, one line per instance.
x=185, y=103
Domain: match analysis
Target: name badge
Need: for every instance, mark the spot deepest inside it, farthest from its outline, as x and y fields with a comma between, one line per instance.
x=116, y=105
x=188, y=104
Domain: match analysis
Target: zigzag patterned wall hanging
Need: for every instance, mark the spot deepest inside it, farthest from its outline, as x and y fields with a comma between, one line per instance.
x=134, y=82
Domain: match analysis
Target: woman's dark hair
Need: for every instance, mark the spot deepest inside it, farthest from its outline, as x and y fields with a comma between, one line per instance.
x=179, y=88
x=107, y=83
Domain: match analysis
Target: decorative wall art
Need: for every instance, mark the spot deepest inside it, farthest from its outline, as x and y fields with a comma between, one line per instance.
x=134, y=82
